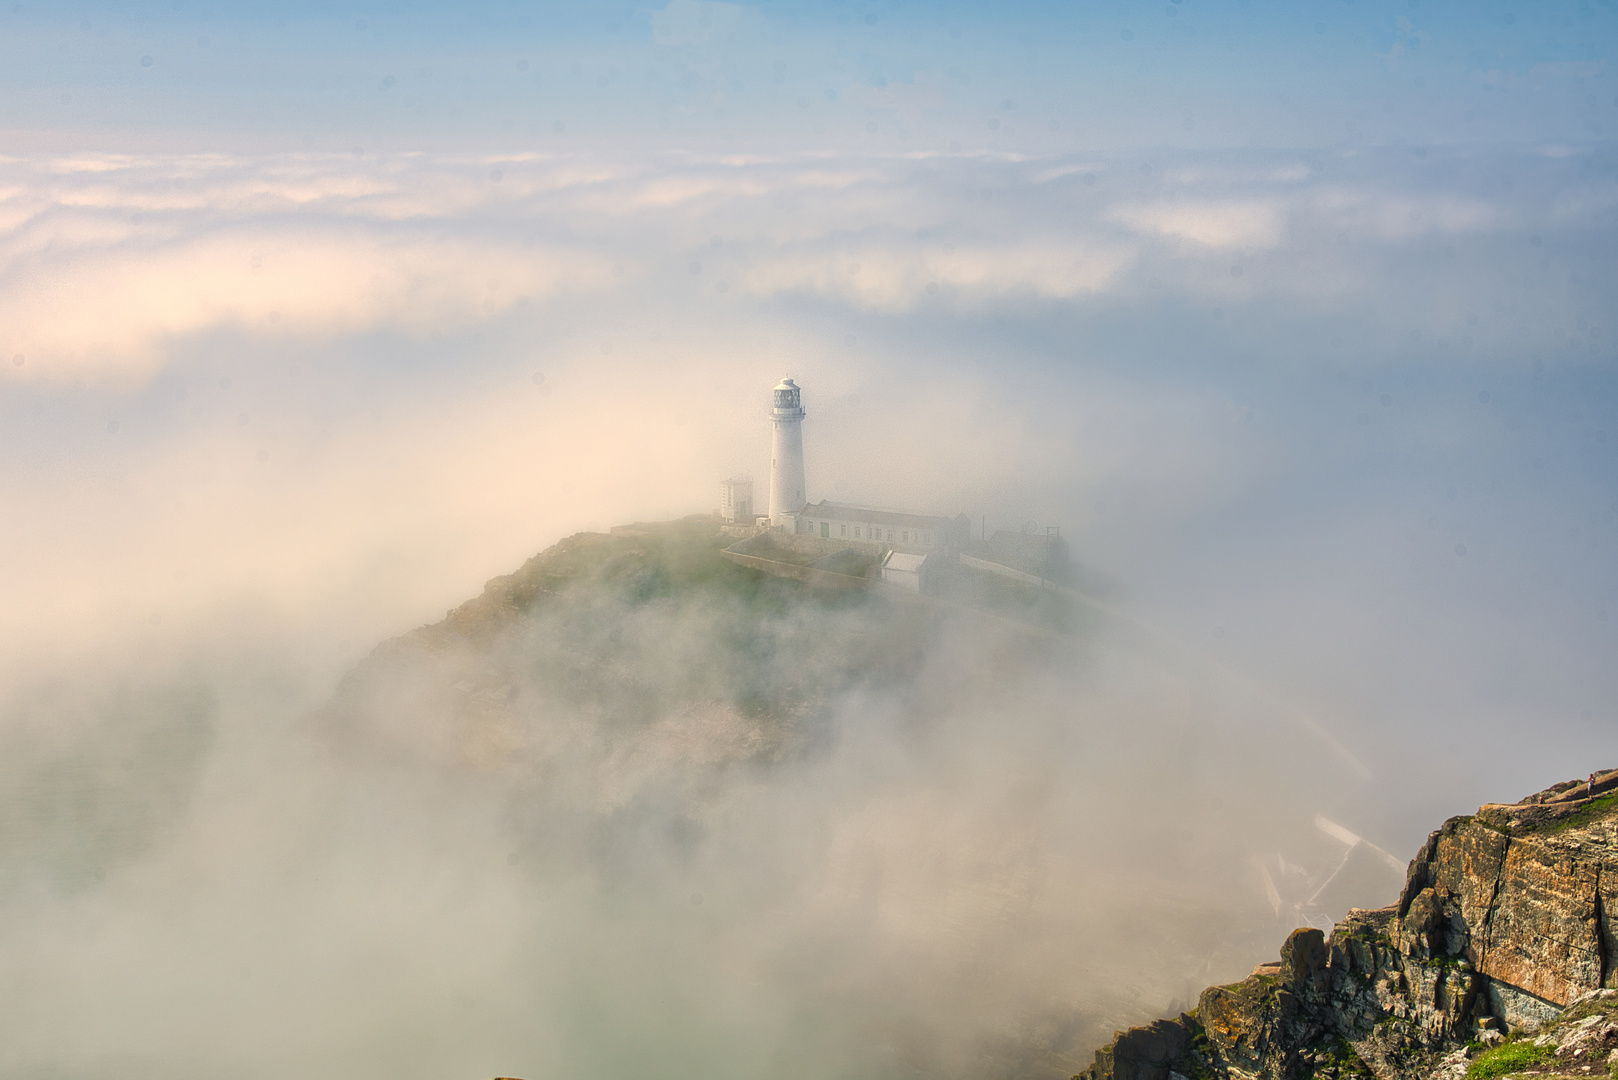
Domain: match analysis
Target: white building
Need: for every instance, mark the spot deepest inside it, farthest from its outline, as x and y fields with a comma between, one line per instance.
x=904, y=570
x=786, y=455
x=736, y=501
x=891, y=529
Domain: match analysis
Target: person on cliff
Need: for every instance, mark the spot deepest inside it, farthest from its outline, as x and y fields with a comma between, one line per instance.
x=1590, y=786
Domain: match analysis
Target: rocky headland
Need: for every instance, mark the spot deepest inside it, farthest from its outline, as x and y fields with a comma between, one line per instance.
x=611, y=655
x=1498, y=959
x=617, y=651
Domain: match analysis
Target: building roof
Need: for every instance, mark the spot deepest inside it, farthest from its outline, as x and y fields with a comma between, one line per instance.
x=903, y=560
x=825, y=508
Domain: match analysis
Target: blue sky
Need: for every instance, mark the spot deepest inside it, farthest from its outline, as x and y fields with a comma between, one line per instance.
x=1048, y=77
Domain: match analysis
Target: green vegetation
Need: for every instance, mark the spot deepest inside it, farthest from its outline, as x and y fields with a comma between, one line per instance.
x=626, y=631
x=1341, y=1059
x=1201, y=1052
x=1599, y=807
x=848, y=562
x=1511, y=1056
x=664, y=559
x=1446, y=963
x=1361, y=931
x=633, y=625
x=1548, y=819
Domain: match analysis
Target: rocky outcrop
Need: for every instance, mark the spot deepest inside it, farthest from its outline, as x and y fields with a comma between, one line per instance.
x=1504, y=923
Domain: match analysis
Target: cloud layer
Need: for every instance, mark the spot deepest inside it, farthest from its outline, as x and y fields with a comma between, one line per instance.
x=111, y=265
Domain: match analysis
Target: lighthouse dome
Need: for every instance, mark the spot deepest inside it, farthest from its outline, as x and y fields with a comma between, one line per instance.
x=787, y=395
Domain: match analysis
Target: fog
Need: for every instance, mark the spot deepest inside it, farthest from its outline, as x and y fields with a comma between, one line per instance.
x=1326, y=423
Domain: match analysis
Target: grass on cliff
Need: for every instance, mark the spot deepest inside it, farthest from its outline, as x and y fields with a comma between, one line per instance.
x=625, y=631
x=1336, y=1057
x=1508, y=1057
x=1599, y=807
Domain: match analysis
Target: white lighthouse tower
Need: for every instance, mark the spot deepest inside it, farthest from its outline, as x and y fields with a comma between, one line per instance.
x=786, y=454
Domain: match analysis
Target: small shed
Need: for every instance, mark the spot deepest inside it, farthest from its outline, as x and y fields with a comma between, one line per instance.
x=904, y=569
x=736, y=501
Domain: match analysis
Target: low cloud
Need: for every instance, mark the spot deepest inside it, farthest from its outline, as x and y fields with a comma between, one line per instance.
x=123, y=311
x=1402, y=215
x=112, y=266
x=890, y=281
x=1246, y=224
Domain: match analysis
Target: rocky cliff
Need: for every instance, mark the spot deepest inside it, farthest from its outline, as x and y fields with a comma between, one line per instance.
x=1504, y=931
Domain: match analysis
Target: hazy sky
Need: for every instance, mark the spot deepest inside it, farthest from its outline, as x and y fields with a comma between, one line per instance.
x=1296, y=320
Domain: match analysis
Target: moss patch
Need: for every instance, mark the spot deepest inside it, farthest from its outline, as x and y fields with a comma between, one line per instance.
x=1202, y=1053
x=1336, y=1057
x=1508, y=1057
x=1599, y=807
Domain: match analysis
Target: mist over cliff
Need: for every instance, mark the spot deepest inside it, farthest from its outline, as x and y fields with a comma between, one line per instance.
x=636, y=809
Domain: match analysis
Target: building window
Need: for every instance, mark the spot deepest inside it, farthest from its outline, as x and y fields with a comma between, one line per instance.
x=842, y=530
x=825, y=529
x=905, y=537
x=856, y=532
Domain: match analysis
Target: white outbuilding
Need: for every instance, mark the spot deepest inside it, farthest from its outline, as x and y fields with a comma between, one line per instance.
x=889, y=528
x=903, y=569
x=736, y=501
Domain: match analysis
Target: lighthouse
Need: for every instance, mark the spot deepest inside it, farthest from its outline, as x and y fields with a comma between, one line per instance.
x=786, y=454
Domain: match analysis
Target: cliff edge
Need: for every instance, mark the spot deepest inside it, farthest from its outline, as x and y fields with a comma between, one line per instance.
x=1498, y=958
